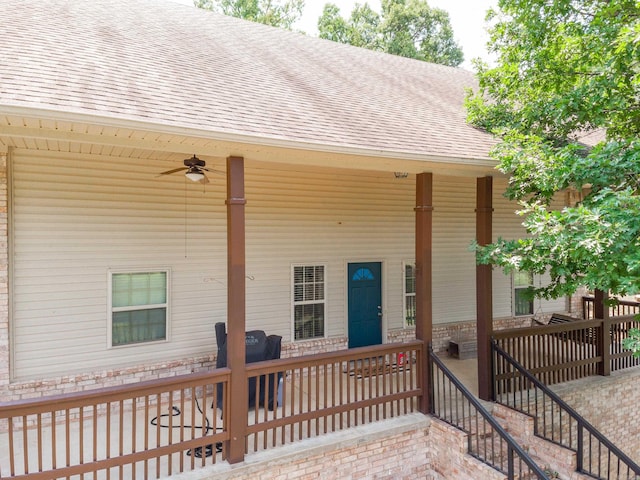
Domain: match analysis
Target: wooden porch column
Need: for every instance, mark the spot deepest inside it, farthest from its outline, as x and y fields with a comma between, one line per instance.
x=484, y=287
x=603, y=348
x=424, y=299
x=237, y=409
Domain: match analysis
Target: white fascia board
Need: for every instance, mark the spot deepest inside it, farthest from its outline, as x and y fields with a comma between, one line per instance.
x=236, y=138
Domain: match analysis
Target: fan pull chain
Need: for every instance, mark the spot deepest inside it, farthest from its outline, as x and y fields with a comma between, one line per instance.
x=185, y=217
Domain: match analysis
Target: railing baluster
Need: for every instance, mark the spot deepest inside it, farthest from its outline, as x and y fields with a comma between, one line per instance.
x=39, y=447
x=25, y=447
x=479, y=425
x=81, y=438
x=554, y=430
x=120, y=436
x=307, y=405
x=317, y=397
x=67, y=439
x=309, y=395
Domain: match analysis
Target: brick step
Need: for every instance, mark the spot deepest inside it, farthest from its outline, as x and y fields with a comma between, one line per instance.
x=488, y=446
x=557, y=460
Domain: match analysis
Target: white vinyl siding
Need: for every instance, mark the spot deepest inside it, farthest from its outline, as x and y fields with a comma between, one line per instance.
x=454, y=269
x=508, y=225
x=77, y=216
x=305, y=216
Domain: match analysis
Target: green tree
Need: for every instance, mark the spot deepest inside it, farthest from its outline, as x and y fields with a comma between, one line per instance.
x=409, y=28
x=282, y=14
x=568, y=72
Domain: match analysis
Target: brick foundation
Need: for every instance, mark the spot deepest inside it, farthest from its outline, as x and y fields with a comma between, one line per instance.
x=549, y=456
x=393, y=449
x=298, y=349
x=575, y=303
x=448, y=448
x=610, y=404
x=444, y=332
x=90, y=381
x=18, y=390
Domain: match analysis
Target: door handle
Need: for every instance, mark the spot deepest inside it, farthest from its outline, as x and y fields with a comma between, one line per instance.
x=380, y=311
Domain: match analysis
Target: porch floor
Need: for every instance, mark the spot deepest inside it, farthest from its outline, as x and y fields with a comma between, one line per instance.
x=465, y=370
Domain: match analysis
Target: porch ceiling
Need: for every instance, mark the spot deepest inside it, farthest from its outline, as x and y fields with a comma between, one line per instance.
x=91, y=135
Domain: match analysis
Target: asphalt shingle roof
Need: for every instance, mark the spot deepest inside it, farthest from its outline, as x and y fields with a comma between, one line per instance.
x=175, y=65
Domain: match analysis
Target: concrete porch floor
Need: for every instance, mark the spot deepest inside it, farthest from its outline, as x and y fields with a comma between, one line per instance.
x=465, y=370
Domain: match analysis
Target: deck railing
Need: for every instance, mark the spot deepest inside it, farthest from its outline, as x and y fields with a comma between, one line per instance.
x=553, y=353
x=131, y=431
x=333, y=391
x=621, y=308
x=557, y=422
x=487, y=440
x=162, y=427
x=568, y=351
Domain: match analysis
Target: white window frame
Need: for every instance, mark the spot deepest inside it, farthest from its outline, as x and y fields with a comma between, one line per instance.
x=515, y=287
x=111, y=310
x=406, y=295
x=295, y=303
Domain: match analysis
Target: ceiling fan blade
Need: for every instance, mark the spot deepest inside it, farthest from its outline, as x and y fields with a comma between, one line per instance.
x=169, y=172
x=211, y=170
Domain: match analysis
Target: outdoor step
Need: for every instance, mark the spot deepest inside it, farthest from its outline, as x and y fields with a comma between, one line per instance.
x=550, y=456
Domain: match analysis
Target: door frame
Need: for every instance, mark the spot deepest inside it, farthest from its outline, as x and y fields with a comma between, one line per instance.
x=383, y=293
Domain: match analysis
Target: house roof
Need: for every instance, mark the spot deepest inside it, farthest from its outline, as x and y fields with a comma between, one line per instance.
x=180, y=67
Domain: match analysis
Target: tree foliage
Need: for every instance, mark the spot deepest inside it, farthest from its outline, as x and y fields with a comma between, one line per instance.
x=409, y=28
x=282, y=14
x=564, y=99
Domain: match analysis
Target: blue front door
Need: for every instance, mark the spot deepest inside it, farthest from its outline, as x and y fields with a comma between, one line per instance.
x=365, y=304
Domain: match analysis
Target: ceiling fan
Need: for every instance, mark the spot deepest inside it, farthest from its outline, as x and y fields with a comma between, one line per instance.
x=195, y=169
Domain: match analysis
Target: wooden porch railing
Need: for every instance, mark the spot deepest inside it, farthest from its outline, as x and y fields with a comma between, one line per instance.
x=622, y=308
x=162, y=427
x=564, y=352
x=130, y=431
x=333, y=391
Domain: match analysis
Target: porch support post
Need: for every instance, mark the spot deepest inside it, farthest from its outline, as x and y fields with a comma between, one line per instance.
x=603, y=348
x=484, y=288
x=424, y=299
x=237, y=405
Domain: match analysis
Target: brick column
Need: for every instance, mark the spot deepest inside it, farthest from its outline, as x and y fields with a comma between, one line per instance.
x=4, y=281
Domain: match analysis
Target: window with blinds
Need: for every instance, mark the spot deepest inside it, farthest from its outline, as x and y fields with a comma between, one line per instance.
x=409, y=294
x=138, y=307
x=308, y=301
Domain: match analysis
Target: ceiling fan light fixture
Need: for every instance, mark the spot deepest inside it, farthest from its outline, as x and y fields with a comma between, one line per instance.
x=194, y=175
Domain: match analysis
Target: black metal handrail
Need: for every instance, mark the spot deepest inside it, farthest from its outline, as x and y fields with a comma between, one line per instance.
x=452, y=403
x=557, y=422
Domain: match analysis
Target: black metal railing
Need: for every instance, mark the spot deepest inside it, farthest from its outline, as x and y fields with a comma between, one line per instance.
x=557, y=422
x=487, y=441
